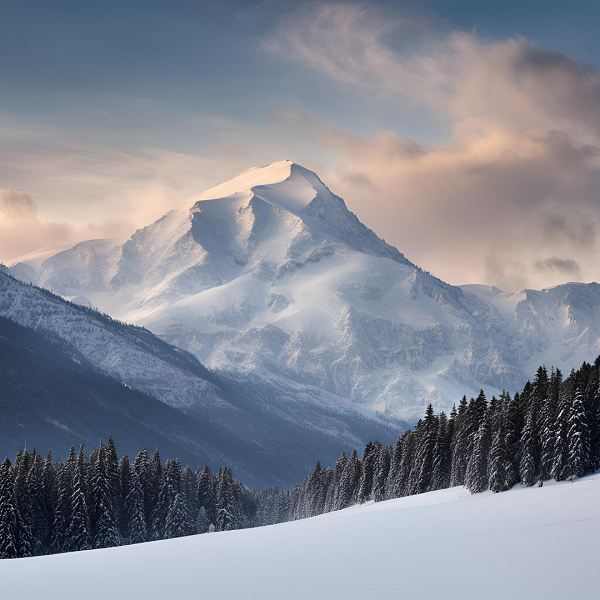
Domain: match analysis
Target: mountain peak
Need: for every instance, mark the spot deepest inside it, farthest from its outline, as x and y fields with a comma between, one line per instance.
x=285, y=184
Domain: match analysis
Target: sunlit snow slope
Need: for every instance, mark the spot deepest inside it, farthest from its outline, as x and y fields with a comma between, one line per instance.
x=525, y=543
x=271, y=273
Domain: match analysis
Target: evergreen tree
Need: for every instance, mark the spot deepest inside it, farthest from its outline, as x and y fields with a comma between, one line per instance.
x=202, y=522
x=577, y=437
x=79, y=530
x=136, y=528
x=368, y=460
x=8, y=513
x=442, y=455
x=227, y=513
x=498, y=461
x=425, y=452
x=460, y=445
x=106, y=530
x=207, y=493
x=476, y=478
x=349, y=481
x=528, y=466
x=382, y=470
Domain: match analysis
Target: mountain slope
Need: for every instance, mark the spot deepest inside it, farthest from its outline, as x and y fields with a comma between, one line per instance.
x=524, y=543
x=271, y=274
x=269, y=436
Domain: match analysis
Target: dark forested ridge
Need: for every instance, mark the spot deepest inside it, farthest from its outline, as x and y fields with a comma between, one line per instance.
x=549, y=430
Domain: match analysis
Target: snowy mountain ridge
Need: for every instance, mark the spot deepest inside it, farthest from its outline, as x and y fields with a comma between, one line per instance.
x=271, y=274
x=247, y=424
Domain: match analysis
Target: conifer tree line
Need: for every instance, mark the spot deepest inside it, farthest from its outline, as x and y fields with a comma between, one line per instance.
x=549, y=430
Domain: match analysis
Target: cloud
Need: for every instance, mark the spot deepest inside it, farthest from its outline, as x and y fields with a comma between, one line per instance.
x=568, y=266
x=372, y=50
x=517, y=180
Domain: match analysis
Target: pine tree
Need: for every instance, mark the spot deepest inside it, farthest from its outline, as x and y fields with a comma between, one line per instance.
x=176, y=524
x=349, y=481
x=425, y=452
x=123, y=491
x=8, y=513
x=498, y=461
x=476, y=478
x=106, y=530
x=368, y=460
x=23, y=503
x=227, y=511
x=62, y=508
x=49, y=502
x=332, y=500
x=136, y=528
x=441, y=455
x=202, y=522
x=79, y=530
x=207, y=493
x=530, y=447
x=577, y=437
x=460, y=444
x=382, y=470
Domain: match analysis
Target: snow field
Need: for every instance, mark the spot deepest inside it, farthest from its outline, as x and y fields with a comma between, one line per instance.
x=525, y=543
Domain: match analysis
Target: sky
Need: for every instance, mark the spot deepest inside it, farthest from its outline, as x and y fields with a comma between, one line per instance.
x=465, y=133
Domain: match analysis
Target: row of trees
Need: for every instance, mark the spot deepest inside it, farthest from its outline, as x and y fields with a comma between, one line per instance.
x=99, y=501
x=549, y=430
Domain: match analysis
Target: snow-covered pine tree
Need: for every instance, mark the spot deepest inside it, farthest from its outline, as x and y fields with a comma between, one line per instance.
x=577, y=437
x=35, y=490
x=349, y=481
x=460, y=443
x=529, y=443
x=8, y=513
x=425, y=452
x=207, y=493
x=202, y=522
x=513, y=420
x=332, y=500
x=49, y=502
x=23, y=502
x=106, y=529
x=498, y=462
x=227, y=511
x=368, y=460
x=394, y=474
x=136, y=528
x=176, y=524
x=382, y=470
x=62, y=509
x=403, y=482
x=441, y=454
x=79, y=534
x=142, y=465
x=123, y=491
x=476, y=477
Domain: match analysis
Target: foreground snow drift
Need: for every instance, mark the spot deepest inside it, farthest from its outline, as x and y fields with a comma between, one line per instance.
x=528, y=542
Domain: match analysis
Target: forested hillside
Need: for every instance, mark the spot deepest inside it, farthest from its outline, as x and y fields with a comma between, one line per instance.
x=549, y=430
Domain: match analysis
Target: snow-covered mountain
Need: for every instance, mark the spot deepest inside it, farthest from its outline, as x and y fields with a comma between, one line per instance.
x=271, y=274
x=67, y=373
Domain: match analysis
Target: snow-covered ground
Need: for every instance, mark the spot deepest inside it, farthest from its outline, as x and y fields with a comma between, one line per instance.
x=525, y=543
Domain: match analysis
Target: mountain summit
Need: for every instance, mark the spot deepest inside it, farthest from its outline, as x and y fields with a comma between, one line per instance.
x=270, y=273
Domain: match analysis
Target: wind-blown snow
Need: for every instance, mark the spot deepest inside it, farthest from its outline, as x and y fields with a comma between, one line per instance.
x=524, y=543
x=270, y=273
